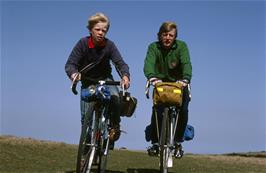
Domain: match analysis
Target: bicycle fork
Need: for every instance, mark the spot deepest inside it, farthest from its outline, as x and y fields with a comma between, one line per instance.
x=170, y=124
x=105, y=134
x=172, y=130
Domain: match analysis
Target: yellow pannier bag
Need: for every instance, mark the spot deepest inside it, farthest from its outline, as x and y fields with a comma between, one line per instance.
x=168, y=94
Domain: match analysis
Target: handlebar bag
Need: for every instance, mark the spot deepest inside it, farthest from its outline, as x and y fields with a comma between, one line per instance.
x=168, y=94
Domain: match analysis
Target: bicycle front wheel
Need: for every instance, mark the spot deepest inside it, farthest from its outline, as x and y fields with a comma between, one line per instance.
x=103, y=155
x=164, y=149
x=87, y=145
x=104, y=142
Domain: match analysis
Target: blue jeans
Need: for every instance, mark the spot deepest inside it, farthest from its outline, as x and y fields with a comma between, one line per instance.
x=115, y=106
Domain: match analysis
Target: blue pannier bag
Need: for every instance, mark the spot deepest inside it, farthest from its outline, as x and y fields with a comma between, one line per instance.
x=148, y=133
x=189, y=133
x=88, y=94
x=103, y=93
x=95, y=92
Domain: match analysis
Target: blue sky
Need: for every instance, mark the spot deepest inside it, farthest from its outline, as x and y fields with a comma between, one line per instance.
x=227, y=48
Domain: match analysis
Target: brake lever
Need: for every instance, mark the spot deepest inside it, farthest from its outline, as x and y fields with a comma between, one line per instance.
x=147, y=89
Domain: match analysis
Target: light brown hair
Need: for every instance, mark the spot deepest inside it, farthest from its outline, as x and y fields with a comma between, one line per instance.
x=98, y=17
x=166, y=27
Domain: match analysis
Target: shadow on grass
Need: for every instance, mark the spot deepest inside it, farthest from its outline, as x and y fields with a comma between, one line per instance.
x=144, y=171
x=128, y=171
x=70, y=171
x=95, y=171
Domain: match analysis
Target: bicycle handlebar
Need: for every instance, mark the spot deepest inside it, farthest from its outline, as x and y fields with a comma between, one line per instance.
x=73, y=88
x=101, y=82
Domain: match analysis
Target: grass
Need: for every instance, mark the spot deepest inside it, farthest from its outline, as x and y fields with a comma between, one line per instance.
x=21, y=155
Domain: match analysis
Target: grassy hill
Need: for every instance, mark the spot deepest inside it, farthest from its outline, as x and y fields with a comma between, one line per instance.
x=21, y=155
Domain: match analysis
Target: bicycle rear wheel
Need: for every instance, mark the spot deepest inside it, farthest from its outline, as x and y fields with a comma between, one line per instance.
x=164, y=150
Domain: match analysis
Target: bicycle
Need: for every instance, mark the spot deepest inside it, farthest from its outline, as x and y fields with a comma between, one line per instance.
x=95, y=140
x=166, y=132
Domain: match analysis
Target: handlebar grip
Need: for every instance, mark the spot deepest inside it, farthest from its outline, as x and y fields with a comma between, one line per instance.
x=94, y=81
x=73, y=88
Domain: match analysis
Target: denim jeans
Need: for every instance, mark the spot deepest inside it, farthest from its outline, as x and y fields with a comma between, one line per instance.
x=182, y=119
x=115, y=106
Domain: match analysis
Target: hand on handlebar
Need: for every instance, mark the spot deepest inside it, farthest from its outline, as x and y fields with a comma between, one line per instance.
x=154, y=81
x=183, y=82
x=125, y=82
x=75, y=77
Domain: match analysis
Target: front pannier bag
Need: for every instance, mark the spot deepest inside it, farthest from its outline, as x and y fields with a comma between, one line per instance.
x=168, y=94
x=128, y=103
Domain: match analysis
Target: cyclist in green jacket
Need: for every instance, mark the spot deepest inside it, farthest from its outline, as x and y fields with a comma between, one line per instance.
x=168, y=60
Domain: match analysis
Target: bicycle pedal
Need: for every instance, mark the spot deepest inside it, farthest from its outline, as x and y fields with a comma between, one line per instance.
x=179, y=152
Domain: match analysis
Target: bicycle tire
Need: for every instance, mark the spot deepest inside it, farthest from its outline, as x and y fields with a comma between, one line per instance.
x=104, y=147
x=80, y=151
x=163, y=142
x=104, y=142
x=81, y=148
x=87, y=142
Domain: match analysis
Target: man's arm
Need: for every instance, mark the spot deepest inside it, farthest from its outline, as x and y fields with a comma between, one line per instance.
x=149, y=63
x=186, y=63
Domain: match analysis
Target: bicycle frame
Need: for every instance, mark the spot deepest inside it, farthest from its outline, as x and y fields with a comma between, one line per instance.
x=94, y=139
x=165, y=133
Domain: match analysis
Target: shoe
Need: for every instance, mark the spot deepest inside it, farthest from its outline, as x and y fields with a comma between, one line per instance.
x=153, y=150
x=178, y=151
x=114, y=133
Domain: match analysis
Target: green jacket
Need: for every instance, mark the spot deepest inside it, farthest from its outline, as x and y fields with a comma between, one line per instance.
x=168, y=65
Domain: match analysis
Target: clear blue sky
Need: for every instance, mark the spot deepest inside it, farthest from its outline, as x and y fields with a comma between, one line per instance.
x=227, y=48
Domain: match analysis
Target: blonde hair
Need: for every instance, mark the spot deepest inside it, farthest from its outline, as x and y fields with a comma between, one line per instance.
x=98, y=17
x=166, y=27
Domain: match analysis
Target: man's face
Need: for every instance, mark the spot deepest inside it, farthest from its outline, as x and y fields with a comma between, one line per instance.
x=98, y=32
x=167, y=38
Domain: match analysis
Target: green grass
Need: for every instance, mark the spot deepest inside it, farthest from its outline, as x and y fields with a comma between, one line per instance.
x=20, y=155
